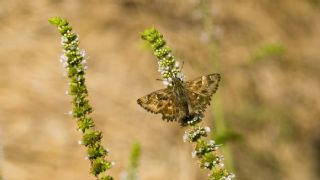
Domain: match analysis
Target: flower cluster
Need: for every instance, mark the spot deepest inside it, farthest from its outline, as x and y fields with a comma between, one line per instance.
x=195, y=133
x=204, y=147
x=74, y=61
x=205, y=151
x=168, y=66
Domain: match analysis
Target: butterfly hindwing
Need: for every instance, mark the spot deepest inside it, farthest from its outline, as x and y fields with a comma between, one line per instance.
x=200, y=91
x=160, y=101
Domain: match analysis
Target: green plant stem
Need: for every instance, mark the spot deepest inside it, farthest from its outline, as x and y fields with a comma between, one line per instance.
x=74, y=61
x=217, y=107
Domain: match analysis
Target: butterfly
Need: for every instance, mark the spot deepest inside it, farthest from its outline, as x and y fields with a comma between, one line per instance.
x=182, y=101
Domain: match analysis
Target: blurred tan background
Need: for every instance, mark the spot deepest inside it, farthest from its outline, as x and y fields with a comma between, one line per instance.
x=268, y=55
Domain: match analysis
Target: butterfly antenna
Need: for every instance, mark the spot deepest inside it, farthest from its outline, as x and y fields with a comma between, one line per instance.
x=182, y=66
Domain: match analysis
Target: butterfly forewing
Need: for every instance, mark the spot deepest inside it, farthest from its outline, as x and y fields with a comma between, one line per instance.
x=161, y=101
x=200, y=91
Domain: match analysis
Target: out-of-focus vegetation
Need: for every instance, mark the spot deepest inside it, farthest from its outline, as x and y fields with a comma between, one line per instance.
x=267, y=53
x=271, y=50
x=132, y=170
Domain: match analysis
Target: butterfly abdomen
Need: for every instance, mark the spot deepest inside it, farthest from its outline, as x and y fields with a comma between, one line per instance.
x=181, y=97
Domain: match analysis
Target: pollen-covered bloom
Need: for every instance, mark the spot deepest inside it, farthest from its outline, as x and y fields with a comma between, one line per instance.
x=206, y=152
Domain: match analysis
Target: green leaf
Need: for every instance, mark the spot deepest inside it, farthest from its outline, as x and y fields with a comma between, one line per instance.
x=55, y=20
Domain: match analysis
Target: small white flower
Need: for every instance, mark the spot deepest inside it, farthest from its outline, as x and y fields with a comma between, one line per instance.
x=165, y=82
x=206, y=164
x=193, y=154
x=64, y=64
x=70, y=113
x=113, y=163
x=73, y=47
x=221, y=158
x=207, y=129
x=212, y=142
x=67, y=92
x=185, y=137
x=160, y=69
x=232, y=175
x=80, y=142
x=63, y=40
x=177, y=64
x=229, y=177
x=84, y=62
x=82, y=53
x=63, y=58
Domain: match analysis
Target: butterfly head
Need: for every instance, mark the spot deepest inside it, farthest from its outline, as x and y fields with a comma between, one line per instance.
x=176, y=81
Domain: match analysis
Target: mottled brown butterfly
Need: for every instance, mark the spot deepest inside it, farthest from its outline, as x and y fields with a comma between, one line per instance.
x=182, y=101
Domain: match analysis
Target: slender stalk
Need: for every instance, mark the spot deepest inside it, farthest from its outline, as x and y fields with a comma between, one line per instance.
x=74, y=61
x=217, y=107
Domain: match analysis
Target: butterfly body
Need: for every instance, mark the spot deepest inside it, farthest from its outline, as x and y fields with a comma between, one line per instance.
x=182, y=101
x=181, y=98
